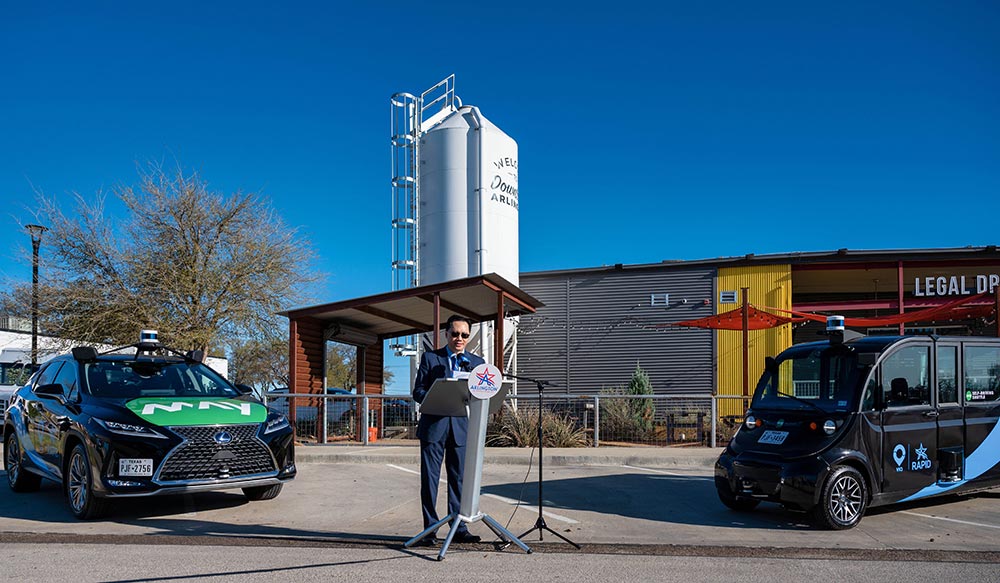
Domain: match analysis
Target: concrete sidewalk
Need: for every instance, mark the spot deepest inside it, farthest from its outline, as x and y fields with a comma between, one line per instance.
x=654, y=457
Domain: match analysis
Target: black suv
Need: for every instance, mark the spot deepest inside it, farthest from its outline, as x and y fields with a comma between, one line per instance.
x=147, y=423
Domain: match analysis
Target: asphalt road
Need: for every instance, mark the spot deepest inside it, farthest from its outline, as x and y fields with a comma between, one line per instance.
x=85, y=563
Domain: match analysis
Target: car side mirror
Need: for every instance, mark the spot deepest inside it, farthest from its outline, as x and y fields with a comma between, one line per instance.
x=245, y=389
x=50, y=391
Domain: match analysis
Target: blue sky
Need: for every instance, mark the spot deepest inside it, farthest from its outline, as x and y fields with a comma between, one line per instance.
x=659, y=130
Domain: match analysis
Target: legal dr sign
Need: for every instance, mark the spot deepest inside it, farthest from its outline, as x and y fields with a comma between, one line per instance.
x=955, y=285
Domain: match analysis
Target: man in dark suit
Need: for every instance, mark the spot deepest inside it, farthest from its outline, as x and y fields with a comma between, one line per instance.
x=443, y=437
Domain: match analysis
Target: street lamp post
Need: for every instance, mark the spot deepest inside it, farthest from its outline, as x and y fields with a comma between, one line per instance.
x=36, y=232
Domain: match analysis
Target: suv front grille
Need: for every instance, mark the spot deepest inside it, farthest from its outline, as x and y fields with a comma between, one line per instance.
x=3, y=406
x=200, y=457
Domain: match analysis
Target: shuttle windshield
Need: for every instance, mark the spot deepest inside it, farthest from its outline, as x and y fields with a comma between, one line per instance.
x=823, y=378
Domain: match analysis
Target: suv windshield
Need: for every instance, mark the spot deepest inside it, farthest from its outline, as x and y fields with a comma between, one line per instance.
x=822, y=379
x=129, y=379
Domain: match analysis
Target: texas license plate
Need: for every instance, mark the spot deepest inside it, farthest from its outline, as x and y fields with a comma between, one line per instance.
x=773, y=437
x=135, y=467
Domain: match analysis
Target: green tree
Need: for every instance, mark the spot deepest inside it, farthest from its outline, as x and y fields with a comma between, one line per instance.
x=642, y=409
x=202, y=267
x=342, y=367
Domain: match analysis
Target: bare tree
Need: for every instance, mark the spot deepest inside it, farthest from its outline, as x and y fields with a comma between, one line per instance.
x=202, y=267
x=260, y=362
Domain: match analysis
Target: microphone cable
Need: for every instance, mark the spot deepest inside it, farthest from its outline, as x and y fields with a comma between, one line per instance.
x=520, y=495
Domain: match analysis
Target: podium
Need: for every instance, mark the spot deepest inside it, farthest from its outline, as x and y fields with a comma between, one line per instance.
x=452, y=397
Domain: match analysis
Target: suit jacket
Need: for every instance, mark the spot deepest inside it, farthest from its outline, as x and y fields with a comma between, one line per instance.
x=434, y=365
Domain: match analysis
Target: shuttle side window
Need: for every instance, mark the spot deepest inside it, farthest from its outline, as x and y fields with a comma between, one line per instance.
x=905, y=377
x=982, y=374
x=947, y=374
x=868, y=399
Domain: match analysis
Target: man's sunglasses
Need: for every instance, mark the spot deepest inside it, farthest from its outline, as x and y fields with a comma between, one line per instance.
x=464, y=335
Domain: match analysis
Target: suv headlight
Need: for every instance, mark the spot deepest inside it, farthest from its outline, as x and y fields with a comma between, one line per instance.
x=129, y=429
x=275, y=423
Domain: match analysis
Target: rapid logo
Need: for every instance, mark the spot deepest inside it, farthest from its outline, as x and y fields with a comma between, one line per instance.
x=197, y=411
x=899, y=454
x=922, y=462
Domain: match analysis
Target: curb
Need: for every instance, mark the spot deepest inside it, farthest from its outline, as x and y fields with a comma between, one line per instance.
x=642, y=461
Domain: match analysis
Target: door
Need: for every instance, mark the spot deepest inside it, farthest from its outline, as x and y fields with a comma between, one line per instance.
x=981, y=395
x=950, y=420
x=39, y=444
x=56, y=413
x=909, y=420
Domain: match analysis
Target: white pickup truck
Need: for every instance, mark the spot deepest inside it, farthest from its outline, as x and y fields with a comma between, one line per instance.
x=5, y=392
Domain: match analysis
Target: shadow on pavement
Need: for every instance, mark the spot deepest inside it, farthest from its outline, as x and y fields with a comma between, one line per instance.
x=689, y=500
x=49, y=504
x=676, y=499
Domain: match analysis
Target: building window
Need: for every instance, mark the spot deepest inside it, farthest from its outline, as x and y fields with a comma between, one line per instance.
x=659, y=299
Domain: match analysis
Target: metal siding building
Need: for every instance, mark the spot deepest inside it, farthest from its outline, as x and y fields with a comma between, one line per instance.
x=597, y=324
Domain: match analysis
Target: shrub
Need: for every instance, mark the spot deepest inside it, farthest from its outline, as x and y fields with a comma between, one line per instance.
x=510, y=428
x=626, y=419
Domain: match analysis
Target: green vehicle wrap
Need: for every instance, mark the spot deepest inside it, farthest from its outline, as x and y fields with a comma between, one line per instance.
x=179, y=411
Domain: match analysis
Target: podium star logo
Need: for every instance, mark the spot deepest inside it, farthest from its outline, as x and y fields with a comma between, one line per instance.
x=485, y=378
x=921, y=452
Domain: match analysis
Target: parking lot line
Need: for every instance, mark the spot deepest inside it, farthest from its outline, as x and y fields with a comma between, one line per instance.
x=949, y=519
x=522, y=504
x=409, y=471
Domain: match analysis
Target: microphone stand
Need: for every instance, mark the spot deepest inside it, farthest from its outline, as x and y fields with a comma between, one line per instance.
x=540, y=525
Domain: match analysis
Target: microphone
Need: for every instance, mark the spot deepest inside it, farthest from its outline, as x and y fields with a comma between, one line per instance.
x=463, y=363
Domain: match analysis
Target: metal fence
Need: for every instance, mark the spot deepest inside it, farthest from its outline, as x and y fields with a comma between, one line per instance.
x=567, y=420
x=349, y=419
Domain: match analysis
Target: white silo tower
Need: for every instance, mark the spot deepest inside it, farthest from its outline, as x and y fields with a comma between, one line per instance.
x=455, y=194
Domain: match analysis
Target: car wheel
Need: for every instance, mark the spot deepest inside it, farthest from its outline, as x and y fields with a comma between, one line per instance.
x=738, y=503
x=843, y=499
x=262, y=492
x=79, y=488
x=18, y=479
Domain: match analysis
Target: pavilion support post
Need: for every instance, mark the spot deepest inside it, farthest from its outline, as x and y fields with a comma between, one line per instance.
x=498, y=334
x=746, y=342
x=370, y=381
x=293, y=369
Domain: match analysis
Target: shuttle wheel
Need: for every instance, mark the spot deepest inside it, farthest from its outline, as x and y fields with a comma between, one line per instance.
x=843, y=499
